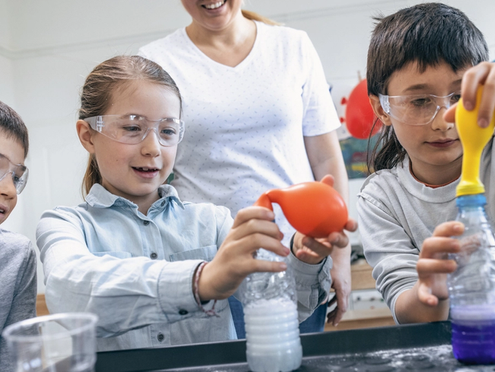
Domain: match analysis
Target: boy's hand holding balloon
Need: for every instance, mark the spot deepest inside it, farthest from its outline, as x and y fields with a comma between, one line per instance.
x=317, y=212
x=481, y=74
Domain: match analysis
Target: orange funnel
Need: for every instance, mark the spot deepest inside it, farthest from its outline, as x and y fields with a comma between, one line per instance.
x=313, y=208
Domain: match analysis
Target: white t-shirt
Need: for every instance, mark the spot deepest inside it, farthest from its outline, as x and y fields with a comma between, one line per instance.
x=245, y=124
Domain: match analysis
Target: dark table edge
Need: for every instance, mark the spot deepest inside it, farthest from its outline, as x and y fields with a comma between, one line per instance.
x=314, y=344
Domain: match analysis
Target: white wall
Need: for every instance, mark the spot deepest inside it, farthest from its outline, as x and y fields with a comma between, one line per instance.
x=5, y=11
x=48, y=47
x=6, y=81
x=6, y=78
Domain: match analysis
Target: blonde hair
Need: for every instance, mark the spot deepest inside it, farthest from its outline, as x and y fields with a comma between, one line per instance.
x=253, y=16
x=101, y=83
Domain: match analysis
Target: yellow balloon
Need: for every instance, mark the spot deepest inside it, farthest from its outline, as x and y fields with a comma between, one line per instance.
x=473, y=139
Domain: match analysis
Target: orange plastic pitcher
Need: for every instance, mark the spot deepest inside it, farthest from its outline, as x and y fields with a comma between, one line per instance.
x=315, y=209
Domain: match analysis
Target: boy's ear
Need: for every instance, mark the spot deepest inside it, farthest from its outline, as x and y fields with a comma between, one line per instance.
x=378, y=110
x=85, y=135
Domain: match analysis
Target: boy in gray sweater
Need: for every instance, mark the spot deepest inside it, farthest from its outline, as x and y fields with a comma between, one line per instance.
x=17, y=256
x=421, y=60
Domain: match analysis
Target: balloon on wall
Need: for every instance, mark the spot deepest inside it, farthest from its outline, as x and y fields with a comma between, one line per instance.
x=359, y=116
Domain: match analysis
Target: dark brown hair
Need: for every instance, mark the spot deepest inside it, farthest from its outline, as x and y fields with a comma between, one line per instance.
x=100, y=85
x=12, y=126
x=429, y=34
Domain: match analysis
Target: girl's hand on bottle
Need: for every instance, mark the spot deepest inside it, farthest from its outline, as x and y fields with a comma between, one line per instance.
x=253, y=228
x=481, y=74
x=433, y=264
x=313, y=251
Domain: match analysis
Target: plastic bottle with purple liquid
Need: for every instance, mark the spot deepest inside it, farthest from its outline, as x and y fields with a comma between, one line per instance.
x=472, y=285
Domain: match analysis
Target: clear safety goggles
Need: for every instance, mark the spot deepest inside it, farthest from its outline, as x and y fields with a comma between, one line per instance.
x=19, y=173
x=416, y=109
x=133, y=129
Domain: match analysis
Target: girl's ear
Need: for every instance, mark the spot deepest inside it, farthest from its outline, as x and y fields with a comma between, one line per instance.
x=85, y=135
x=378, y=110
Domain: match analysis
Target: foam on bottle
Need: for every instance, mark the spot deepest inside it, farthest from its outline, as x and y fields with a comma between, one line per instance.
x=272, y=336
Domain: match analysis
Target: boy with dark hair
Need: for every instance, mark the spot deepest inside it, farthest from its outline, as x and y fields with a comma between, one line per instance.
x=420, y=60
x=17, y=256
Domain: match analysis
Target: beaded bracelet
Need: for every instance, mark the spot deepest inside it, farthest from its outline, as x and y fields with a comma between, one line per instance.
x=212, y=311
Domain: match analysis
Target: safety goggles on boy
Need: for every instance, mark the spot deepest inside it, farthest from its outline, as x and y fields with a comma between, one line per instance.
x=416, y=109
x=19, y=173
x=133, y=129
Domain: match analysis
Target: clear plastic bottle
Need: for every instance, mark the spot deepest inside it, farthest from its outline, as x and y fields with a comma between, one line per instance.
x=271, y=318
x=472, y=285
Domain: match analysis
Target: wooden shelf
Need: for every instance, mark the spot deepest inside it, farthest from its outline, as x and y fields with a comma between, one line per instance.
x=361, y=275
x=41, y=308
x=362, y=279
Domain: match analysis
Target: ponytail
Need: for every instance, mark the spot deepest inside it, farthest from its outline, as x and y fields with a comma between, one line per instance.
x=91, y=176
x=256, y=17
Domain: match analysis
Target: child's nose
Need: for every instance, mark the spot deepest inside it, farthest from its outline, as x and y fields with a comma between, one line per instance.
x=151, y=144
x=7, y=186
x=439, y=123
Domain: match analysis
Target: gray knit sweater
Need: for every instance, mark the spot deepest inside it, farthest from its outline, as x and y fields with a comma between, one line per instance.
x=397, y=213
x=17, y=286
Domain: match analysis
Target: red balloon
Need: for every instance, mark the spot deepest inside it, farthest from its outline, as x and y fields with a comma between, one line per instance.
x=359, y=116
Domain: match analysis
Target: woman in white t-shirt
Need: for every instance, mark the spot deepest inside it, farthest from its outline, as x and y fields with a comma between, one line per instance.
x=259, y=115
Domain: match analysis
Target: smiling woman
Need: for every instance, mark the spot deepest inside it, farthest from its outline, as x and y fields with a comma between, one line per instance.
x=241, y=143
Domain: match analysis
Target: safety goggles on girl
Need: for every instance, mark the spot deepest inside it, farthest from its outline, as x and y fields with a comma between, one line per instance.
x=416, y=109
x=19, y=173
x=133, y=129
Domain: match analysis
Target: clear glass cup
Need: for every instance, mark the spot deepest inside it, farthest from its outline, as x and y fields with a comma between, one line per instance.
x=60, y=342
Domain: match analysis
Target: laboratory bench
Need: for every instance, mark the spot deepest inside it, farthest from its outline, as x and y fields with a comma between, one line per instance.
x=405, y=348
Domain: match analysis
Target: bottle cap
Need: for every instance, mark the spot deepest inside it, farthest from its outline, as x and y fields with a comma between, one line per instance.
x=467, y=200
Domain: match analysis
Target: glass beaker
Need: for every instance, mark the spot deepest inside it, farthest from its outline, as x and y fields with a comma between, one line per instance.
x=60, y=342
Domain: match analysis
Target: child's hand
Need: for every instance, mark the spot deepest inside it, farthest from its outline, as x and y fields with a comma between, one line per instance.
x=433, y=264
x=481, y=74
x=253, y=228
x=313, y=251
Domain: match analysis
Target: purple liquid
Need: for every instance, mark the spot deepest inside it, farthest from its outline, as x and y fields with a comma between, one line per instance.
x=473, y=342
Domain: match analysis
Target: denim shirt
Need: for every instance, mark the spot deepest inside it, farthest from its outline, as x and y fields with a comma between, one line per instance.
x=135, y=271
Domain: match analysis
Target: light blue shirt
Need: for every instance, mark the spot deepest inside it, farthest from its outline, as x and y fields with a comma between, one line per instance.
x=135, y=271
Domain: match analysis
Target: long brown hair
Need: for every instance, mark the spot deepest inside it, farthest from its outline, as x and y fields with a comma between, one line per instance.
x=102, y=82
